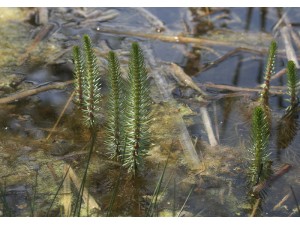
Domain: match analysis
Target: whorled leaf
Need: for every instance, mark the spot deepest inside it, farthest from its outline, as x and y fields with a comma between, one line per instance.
x=115, y=127
x=138, y=110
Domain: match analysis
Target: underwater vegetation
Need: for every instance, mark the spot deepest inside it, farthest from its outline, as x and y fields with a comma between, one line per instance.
x=288, y=125
x=260, y=168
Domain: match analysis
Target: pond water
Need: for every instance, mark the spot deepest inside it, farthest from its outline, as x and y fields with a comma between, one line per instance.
x=206, y=143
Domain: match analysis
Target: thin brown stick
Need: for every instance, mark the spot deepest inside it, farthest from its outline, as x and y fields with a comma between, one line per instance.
x=243, y=89
x=208, y=127
x=34, y=91
x=88, y=199
x=284, y=169
x=66, y=199
x=231, y=53
x=283, y=200
x=278, y=74
x=176, y=39
x=39, y=37
x=290, y=52
x=255, y=207
x=61, y=114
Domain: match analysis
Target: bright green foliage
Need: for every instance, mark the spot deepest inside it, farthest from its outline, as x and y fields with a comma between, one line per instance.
x=260, y=164
x=270, y=68
x=115, y=132
x=138, y=110
x=87, y=81
x=292, y=80
x=79, y=75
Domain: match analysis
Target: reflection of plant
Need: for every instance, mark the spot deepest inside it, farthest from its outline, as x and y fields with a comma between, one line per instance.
x=138, y=109
x=288, y=124
x=115, y=131
x=292, y=80
x=260, y=164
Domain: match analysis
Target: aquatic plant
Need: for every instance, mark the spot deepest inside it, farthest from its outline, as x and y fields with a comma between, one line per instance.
x=270, y=68
x=87, y=81
x=138, y=111
x=89, y=86
x=292, y=81
x=79, y=76
x=259, y=163
x=288, y=125
x=115, y=128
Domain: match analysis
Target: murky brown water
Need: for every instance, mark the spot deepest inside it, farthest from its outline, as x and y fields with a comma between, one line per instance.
x=33, y=165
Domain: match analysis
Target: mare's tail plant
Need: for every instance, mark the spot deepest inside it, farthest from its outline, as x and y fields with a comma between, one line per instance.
x=288, y=125
x=138, y=111
x=292, y=80
x=115, y=132
x=260, y=167
x=87, y=81
x=270, y=68
x=87, y=85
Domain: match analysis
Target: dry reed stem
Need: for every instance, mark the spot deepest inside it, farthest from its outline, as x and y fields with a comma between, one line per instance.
x=61, y=114
x=255, y=207
x=66, y=199
x=176, y=39
x=290, y=52
x=208, y=127
x=87, y=198
x=242, y=89
x=283, y=200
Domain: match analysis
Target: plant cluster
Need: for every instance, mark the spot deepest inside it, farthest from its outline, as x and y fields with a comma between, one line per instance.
x=128, y=102
x=260, y=166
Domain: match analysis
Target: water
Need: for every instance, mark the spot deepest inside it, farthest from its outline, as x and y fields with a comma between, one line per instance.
x=218, y=184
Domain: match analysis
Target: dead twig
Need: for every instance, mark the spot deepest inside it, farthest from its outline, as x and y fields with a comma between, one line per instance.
x=290, y=52
x=295, y=198
x=87, y=198
x=39, y=37
x=208, y=127
x=34, y=91
x=258, y=188
x=61, y=114
x=231, y=53
x=278, y=74
x=283, y=200
x=176, y=38
x=255, y=207
x=242, y=89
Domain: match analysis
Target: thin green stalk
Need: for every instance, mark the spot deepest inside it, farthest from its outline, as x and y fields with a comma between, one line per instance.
x=6, y=210
x=80, y=192
x=33, y=200
x=116, y=188
x=138, y=110
x=153, y=203
x=295, y=198
x=187, y=198
x=57, y=191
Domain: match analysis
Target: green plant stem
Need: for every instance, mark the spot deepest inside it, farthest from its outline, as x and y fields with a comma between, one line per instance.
x=80, y=192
